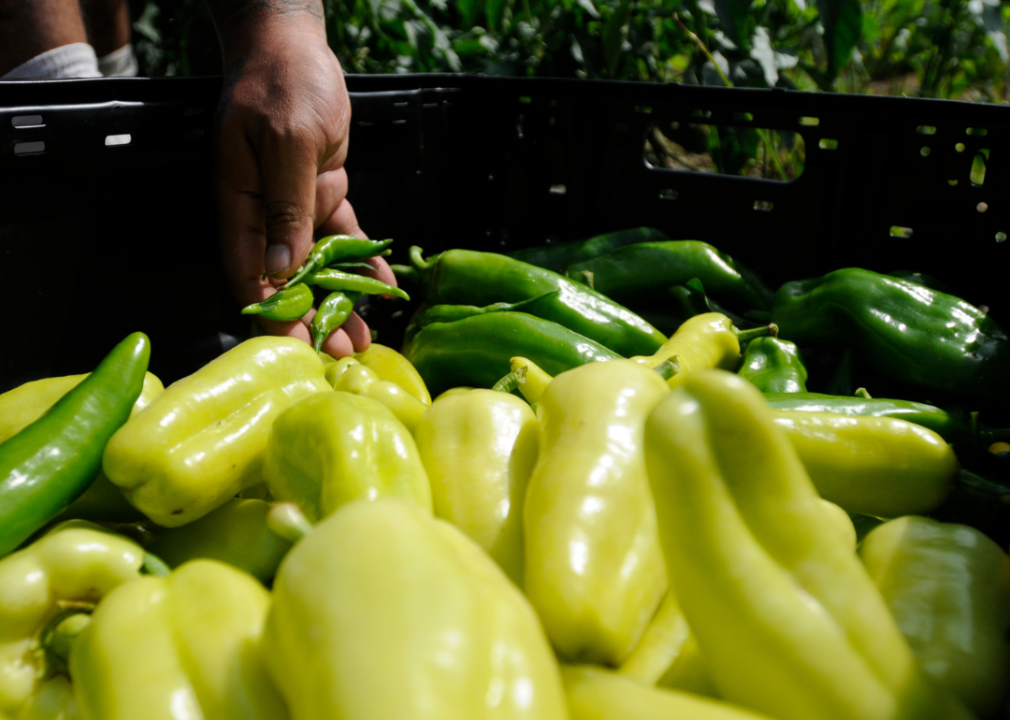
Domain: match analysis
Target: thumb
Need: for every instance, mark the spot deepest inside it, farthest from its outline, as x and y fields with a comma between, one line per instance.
x=288, y=172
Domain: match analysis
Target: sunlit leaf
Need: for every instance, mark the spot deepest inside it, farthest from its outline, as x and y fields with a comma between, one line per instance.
x=734, y=18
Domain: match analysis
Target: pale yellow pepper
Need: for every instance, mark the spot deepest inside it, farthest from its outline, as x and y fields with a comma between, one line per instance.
x=702, y=342
x=202, y=440
x=349, y=375
x=385, y=613
x=479, y=448
x=185, y=646
x=73, y=567
x=594, y=568
x=390, y=365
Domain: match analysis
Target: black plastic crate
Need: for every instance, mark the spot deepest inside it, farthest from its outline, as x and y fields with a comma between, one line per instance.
x=107, y=222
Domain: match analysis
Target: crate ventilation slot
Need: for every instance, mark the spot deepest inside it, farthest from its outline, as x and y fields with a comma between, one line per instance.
x=668, y=194
x=763, y=205
x=901, y=232
x=27, y=121
x=976, y=132
x=978, y=164
x=30, y=148
x=926, y=130
x=735, y=150
x=982, y=207
x=117, y=140
x=1000, y=237
x=810, y=121
x=924, y=151
x=558, y=189
x=828, y=144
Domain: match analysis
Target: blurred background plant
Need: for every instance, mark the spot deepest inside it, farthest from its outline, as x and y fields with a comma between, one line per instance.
x=927, y=48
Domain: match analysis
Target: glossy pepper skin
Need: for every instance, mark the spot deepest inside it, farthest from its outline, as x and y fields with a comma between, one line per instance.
x=948, y=587
x=51, y=462
x=235, y=533
x=628, y=273
x=20, y=407
x=290, y=302
x=558, y=256
x=947, y=426
x=202, y=440
x=390, y=365
x=879, y=466
x=349, y=375
x=186, y=645
x=333, y=448
x=383, y=613
x=475, y=352
x=332, y=313
x=773, y=365
x=594, y=569
x=337, y=248
x=74, y=566
x=904, y=330
x=597, y=694
x=468, y=277
x=788, y=619
x=703, y=342
x=479, y=449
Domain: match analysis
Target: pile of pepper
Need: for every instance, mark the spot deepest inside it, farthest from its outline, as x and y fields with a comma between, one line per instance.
x=592, y=519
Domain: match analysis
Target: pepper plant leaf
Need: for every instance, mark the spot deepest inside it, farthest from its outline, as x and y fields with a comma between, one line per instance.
x=843, y=23
x=735, y=20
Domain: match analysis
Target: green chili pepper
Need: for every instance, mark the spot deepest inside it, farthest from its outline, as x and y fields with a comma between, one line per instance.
x=452, y=313
x=905, y=331
x=332, y=313
x=52, y=461
x=558, y=256
x=774, y=365
x=467, y=277
x=476, y=351
x=291, y=302
x=335, y=280
x=334, y=248
x=650, y=268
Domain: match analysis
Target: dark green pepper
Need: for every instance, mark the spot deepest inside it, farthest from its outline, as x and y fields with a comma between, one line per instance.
x=335, y=280
x=291, y=302
x=651, y=268
x=52, y=461
x=467, y=277
x=558, y=256
x=333, y=248
x=774, y=365
x=476, y=351
x=333, y=312
x=903, y=330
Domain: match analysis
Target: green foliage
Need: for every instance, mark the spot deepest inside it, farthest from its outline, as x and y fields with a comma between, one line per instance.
x=930, y=48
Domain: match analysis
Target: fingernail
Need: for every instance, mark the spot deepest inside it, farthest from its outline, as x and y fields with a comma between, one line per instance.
x=278, y=258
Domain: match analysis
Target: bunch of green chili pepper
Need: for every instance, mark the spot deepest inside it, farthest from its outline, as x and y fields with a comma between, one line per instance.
x=329, y=266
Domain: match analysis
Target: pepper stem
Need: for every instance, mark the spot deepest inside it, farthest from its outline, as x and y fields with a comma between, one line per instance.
x=745, y=336
x=863, y=393
x=417, y=260
x=303, y=271
x=154, y=565
x=288, y=521
x=406, y=271
x=511, y=381
x=58, y=635
x=668, y=368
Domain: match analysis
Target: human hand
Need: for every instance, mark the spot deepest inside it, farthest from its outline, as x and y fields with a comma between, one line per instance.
x=283, y=127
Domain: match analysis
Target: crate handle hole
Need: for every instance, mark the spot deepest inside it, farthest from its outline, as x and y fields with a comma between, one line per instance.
x=30, y=148
x=27, y=121
x=668, y=194
x=558, y=189
x=926, y=130
x=828, y=144
x=901, y=232
x=982, y=207
x=116, y=140
x=763, y=205
x=1001, y=237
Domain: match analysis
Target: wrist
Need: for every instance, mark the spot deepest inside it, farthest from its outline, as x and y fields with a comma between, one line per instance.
x=246, y=27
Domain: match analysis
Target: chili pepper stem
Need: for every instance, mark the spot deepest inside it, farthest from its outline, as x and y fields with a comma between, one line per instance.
x=863, y=393
x=288, y=521
x=304, y=270
x=745, y=336
x=406, y=271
